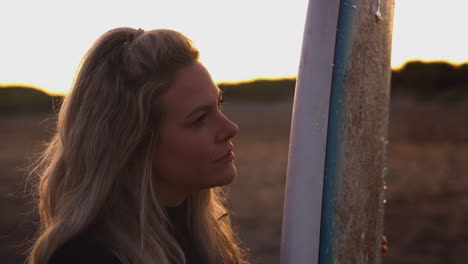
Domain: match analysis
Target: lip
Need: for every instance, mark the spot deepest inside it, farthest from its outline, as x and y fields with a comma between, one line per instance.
x=228, y=156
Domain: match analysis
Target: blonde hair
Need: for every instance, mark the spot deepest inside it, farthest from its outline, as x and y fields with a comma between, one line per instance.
x=98, y=166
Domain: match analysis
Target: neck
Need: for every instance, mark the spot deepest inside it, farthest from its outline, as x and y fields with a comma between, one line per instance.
x=172, y=199
x=168, y=196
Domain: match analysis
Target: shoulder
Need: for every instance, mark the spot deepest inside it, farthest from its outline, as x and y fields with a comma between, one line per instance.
x=84, y=249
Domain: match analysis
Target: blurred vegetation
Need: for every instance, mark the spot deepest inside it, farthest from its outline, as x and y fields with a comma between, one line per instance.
x=18, y=99
x=259, y=90
x=438, y=81
x=435, y=81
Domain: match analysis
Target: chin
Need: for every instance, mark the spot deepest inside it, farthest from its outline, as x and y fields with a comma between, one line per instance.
x=224, y=178
x=230, y=175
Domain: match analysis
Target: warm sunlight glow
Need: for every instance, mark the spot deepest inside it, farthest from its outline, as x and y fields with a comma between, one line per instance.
x=43, y=41
x=429, y=30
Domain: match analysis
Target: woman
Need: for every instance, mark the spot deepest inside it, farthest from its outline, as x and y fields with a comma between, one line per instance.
x=133, y=172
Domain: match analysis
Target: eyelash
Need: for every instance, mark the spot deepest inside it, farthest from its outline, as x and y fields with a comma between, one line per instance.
x=200, y=120
x=221, y=100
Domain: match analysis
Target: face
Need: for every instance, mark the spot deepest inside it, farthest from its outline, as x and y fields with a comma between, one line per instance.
x=193, y=148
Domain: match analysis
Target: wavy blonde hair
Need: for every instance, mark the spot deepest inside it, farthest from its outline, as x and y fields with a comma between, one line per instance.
x=98, y=165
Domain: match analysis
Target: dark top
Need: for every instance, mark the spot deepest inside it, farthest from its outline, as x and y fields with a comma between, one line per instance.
x=89, y=248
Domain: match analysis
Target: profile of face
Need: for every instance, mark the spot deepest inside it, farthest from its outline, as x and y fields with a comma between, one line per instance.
x=193, y=151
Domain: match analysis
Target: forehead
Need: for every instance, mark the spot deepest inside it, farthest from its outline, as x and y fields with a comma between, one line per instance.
x=192, y=86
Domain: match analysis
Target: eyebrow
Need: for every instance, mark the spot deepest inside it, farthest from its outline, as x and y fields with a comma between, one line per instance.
x=204, y=107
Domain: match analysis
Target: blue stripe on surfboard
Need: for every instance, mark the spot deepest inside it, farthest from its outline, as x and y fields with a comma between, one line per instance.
x=334, y=139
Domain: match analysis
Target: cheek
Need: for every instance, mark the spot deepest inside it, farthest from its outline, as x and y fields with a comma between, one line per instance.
x=183, y=159
x=191, y=152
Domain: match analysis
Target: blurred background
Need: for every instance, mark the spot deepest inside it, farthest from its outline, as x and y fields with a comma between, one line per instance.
x=252, y=49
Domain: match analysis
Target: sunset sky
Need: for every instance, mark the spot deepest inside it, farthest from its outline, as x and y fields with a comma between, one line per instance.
x=42, y=42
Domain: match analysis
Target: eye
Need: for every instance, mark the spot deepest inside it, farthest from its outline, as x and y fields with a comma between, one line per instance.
x=200, y=121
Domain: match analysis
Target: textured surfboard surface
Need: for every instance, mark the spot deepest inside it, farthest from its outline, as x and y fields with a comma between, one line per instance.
x=355, y=167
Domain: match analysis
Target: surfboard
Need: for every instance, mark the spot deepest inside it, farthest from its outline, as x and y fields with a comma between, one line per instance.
x=334, y=196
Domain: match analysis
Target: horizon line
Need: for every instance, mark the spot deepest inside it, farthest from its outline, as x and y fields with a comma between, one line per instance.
x=51, y=92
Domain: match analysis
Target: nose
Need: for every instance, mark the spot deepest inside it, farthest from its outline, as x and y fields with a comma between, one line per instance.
x=228, y=131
